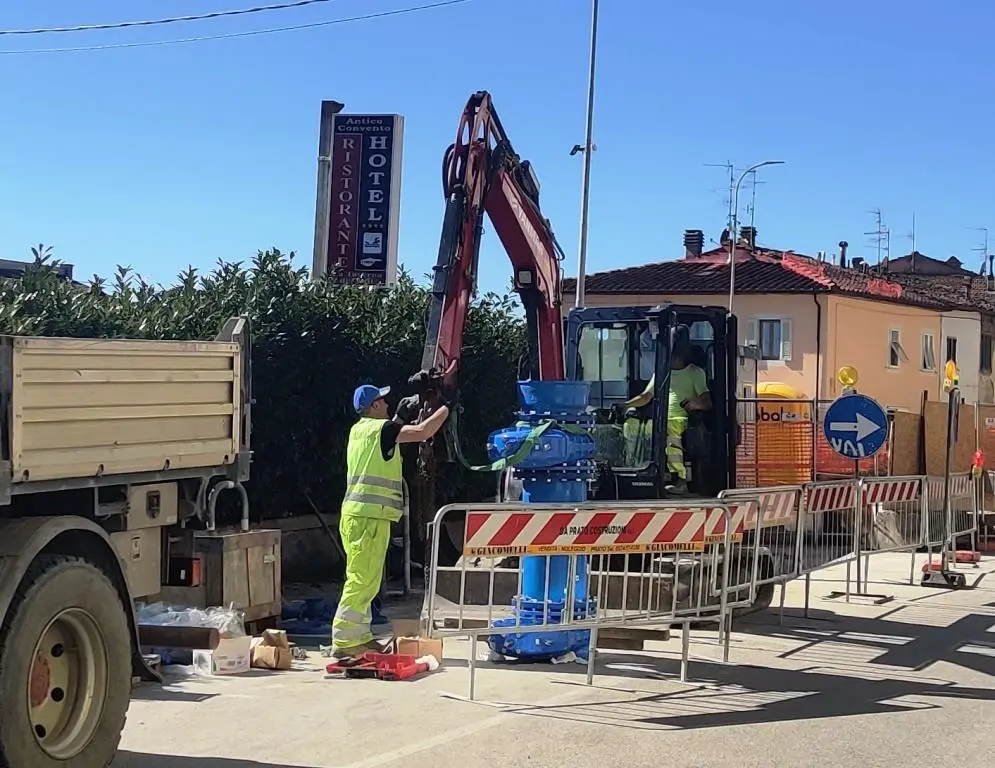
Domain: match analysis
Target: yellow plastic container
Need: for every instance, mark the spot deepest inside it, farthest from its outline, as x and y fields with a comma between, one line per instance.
x=785, y=435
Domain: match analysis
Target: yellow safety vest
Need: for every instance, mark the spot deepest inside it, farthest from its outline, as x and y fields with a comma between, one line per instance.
x=373, y=486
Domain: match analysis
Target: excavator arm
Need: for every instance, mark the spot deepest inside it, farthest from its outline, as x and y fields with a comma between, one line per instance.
x=483, y=174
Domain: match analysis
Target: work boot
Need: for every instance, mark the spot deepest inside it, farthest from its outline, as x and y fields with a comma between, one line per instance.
x=353, y=651
x=678, y=488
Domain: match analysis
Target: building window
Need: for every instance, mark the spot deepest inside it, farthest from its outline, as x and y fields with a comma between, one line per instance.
x=952, y=348
x=928, y=352
x=986, y=353
x=896, y=354
x=772, y=336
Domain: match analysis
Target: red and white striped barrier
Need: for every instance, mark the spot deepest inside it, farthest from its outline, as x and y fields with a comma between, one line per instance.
x=961, y=484
x=830, y=497
x=685, y=529
x=892, y=490
x=775, y=508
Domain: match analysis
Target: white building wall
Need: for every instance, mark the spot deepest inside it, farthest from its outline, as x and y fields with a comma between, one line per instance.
x=965, y=327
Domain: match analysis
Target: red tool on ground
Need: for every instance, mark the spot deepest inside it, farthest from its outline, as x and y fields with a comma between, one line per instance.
x=383, y=666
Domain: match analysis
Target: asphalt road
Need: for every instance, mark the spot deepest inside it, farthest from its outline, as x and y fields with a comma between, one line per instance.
x=906, y=682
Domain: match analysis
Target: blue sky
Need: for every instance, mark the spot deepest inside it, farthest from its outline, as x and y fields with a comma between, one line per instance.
x=165, y=156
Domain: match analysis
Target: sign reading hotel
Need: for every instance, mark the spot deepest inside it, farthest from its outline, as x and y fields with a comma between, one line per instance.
x=364, y=198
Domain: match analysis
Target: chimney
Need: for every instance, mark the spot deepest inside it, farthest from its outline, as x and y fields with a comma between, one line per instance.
x=991, y=258
x=843, y=246
x=857, y=262
x=821, y=256
x=694, y=243
x=748, y=237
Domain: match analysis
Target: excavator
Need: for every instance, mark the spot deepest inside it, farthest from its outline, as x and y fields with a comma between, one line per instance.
x=620, y=351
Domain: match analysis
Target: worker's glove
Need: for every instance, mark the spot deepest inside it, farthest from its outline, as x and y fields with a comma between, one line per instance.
x=430, y=385
x=407, y=409
x=423, y=380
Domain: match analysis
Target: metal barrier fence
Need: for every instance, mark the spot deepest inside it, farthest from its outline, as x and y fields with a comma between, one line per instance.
x=943, y=526
x=892, y=518
x=963, y=507
x=680, y=563
x=639, y=564
x=773, y=525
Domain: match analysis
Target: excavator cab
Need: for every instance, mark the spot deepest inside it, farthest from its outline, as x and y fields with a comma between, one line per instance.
x=621, y=352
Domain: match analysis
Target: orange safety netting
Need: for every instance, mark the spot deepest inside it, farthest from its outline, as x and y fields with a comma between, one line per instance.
x=788, y=453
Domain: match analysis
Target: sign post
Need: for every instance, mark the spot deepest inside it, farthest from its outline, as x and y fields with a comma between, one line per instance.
x=856, y=427
x=359, y=196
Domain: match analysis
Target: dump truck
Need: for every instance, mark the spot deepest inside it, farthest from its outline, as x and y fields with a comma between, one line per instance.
x=110, y=451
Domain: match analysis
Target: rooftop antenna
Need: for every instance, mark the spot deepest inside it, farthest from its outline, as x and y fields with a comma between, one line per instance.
x=753, y=198
x=912, y=237
x=732, y=182
x=983, y=248
x=880, y=236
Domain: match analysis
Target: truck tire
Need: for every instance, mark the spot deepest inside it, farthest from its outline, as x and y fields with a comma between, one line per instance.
x=65, y=668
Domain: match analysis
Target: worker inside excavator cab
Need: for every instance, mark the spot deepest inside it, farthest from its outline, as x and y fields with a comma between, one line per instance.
x=688, y=399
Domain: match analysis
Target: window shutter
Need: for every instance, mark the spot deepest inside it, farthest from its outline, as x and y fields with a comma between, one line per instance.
x=751, y=333
x=786, y=340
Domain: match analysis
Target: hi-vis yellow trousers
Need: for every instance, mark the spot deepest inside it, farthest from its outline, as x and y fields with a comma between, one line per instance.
x=676, y=427
x=365, y=541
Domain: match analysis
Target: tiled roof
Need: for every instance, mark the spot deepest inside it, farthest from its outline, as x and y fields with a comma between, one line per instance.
x=762, y=275
x=766, y=271
x=961, y=292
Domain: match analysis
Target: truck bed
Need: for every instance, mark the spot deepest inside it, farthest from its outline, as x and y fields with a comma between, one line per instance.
x=81, y=408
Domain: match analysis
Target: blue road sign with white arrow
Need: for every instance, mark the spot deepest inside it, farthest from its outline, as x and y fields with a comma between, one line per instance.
x=856, y=426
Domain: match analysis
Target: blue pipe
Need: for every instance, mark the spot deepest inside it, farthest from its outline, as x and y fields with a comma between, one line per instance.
x=557, y=469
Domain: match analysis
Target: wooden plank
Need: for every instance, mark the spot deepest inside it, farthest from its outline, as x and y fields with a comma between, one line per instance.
x=232, y=540
x=93, y=434
x=637, y=633
x=618, y=643
x=124, y=412
x=122, y=376
x=260, y=575
x=236, y=578
x=120, y=463
x=101, y=360
x=142, y=393
x=60, y=346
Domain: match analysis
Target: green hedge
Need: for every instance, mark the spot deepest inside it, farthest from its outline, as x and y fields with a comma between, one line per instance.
x=313, y=343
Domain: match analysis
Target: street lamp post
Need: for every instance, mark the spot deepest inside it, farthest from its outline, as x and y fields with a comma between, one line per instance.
x=588, y=150
x=734, y=225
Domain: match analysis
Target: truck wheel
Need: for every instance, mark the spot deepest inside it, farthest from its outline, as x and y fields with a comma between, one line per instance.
x=65, y=668
x=765, y=596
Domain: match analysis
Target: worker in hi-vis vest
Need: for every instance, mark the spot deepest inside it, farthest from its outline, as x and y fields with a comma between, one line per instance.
x=373, y=500
x=688, y=392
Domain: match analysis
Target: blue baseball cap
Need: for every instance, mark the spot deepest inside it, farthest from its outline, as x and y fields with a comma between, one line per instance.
x=366, y=395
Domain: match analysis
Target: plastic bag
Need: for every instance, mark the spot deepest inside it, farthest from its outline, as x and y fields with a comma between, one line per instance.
x=228, y=621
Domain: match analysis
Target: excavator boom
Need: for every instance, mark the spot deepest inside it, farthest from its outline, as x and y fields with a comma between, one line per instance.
x=482, y=174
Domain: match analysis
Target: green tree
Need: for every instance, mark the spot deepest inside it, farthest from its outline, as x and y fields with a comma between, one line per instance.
x=313, y=343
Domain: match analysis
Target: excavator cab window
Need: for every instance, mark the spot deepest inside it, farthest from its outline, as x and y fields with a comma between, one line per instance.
x=612, y=356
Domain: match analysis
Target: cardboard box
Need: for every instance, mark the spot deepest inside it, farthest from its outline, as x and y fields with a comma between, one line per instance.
x=231, y=657
x=268, y=657
x=275, y=638
x=408, y=640
x=272, y=650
